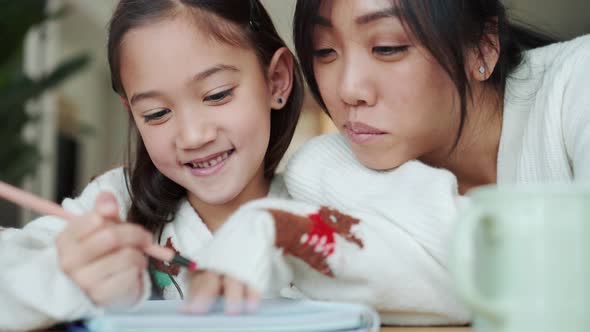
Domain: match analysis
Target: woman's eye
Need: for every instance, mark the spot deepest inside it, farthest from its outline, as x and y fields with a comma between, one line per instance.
x=156, y=115
x=389, y=50
x=323, y=52
x=220, y=96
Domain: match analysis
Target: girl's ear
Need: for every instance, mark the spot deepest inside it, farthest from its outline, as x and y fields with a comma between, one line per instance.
x=125, y=103
x=484, y=58
x=280, y=75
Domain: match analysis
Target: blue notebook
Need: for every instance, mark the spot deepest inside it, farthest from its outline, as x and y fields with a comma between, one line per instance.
x=274, y=315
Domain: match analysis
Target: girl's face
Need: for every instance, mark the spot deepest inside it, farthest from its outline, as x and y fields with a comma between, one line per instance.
x=202, y=108
x=390, y=99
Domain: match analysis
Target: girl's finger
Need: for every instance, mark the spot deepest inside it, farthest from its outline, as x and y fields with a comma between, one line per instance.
x=105, y=209
x=104, y=241
x=234, y=292
x=102, y=269
x=252, y=300
x=204, y=291
x=106, y=206
x=121, y=289
x=69, y=243
x=76, y=231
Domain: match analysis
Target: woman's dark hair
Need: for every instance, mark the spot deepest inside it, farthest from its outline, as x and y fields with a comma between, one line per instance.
x=243, y=23
x=446, y=28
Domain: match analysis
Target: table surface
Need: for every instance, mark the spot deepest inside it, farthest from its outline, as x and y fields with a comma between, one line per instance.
x=383, y=329
x=425, y=329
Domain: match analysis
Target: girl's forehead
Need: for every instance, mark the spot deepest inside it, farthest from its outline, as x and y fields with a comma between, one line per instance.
x=205, y=28
x=175, y=38
x=173, y=52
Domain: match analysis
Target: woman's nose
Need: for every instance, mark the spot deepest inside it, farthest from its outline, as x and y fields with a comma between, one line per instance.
x=355, y=84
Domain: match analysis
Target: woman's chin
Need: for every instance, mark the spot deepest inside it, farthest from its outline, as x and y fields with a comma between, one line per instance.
x=378, y=163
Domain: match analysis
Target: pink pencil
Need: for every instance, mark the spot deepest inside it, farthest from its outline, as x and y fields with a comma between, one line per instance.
x=43, y=206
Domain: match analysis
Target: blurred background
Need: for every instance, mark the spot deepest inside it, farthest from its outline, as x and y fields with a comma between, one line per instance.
x=79, y=127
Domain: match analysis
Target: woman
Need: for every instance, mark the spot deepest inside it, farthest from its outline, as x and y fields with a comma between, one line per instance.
x=450, y=83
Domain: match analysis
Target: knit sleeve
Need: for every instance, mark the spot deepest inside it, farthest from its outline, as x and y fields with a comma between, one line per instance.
x=34, y=291
x=576, y=110
x=334, y=255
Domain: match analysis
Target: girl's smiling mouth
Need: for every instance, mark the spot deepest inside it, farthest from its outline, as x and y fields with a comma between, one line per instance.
x=209, y=165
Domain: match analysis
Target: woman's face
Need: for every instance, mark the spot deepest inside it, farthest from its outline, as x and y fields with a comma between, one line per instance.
x=386, y=94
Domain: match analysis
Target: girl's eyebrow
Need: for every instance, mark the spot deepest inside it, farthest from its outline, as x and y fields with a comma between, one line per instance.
x=198, y=77
x=363, y=19
x=214, y=70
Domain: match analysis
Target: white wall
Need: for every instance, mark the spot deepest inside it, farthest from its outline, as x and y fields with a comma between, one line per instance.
x=566, y=18
x=90, y=93
x=87, y=94
x=281, y=12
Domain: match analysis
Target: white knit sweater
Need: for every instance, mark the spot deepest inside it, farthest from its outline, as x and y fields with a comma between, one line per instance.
x=385, y=246
x=35, y=293
x=546, y=126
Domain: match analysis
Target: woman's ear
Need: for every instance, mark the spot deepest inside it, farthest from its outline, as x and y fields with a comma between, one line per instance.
x=280, y=76
x=484, y=58
x=125, y=103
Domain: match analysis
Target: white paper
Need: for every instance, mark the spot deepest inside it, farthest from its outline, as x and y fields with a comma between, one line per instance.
x=273, y=315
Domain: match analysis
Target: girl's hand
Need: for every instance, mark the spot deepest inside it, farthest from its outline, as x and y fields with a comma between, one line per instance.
x=206, y=287
x=103, y=256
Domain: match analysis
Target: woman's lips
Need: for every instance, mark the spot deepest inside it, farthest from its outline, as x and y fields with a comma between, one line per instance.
x=360, y=133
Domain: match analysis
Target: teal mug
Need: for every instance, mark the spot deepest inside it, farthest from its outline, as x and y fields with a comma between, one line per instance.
x=521, y=258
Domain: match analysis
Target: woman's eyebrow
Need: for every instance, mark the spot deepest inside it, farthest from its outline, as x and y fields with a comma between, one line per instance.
x=363, y=19
x=377, y=15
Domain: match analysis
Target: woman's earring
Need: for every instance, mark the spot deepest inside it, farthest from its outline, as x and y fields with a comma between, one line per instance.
x=482, y=69
x=280, y=100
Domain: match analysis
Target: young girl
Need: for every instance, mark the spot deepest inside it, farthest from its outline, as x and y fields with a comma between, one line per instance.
x=438, y=81
x=214, y=96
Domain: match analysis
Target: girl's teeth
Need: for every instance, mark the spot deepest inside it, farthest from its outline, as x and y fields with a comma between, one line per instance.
x=212, y=162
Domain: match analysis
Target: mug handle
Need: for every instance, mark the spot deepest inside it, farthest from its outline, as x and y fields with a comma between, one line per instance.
x=461, y=255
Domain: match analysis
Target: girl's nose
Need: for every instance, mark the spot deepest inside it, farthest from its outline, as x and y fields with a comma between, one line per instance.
x=194, y=131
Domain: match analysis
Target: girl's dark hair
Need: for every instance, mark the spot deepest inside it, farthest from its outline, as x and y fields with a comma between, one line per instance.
x=446, y=29
x=242, y=23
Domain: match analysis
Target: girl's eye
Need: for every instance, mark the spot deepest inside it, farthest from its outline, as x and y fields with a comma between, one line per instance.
x=156, y=115
x=219, y=96
x=389, y=50
x=323, y=52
